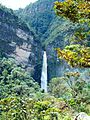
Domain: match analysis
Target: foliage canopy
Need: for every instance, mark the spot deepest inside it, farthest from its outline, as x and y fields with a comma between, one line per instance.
x=77, y=54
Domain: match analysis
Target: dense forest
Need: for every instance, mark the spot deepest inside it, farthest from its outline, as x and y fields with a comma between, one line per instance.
x=47, y=42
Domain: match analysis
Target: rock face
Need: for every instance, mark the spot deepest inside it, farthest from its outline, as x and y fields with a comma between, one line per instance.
x=18, y=41
x=82, y=116
x=51, y=31
x=26, y=46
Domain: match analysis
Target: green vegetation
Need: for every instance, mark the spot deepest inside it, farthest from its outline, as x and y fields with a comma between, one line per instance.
x=10, y=18
x=74, y=89
x=20, y=95
x=22, y=99
x=38, y=16
x=78, y=53
x=15, y=108
x=15, y=81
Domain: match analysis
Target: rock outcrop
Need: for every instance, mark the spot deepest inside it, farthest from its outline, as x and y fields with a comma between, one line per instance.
x=82, y=116
x=18, y=41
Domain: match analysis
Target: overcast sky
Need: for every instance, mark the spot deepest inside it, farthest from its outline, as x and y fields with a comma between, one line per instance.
x=15, y=4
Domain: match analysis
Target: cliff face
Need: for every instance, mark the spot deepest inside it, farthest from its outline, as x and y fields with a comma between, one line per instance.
x=43, y=31
x=52, y=32
x=17, y=40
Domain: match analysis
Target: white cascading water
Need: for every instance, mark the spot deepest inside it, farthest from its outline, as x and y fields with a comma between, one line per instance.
x=44, y=73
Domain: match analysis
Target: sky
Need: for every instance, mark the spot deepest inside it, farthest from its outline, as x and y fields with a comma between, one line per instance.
x=16, y=4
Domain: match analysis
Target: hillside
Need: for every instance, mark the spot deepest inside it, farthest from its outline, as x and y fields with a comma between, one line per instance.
x=43, y=20
x=38, y=15
x=17, y=40
x=51, y=30
x=45, y=61
x=43, y=29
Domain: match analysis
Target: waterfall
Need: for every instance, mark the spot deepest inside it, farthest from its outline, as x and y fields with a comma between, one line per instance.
x=44, y=73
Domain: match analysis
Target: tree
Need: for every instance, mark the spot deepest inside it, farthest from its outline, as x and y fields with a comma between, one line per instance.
x=14, y=80
x=77, y=54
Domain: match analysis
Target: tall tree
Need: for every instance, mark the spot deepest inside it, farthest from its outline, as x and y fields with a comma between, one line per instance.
x=77, y=54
